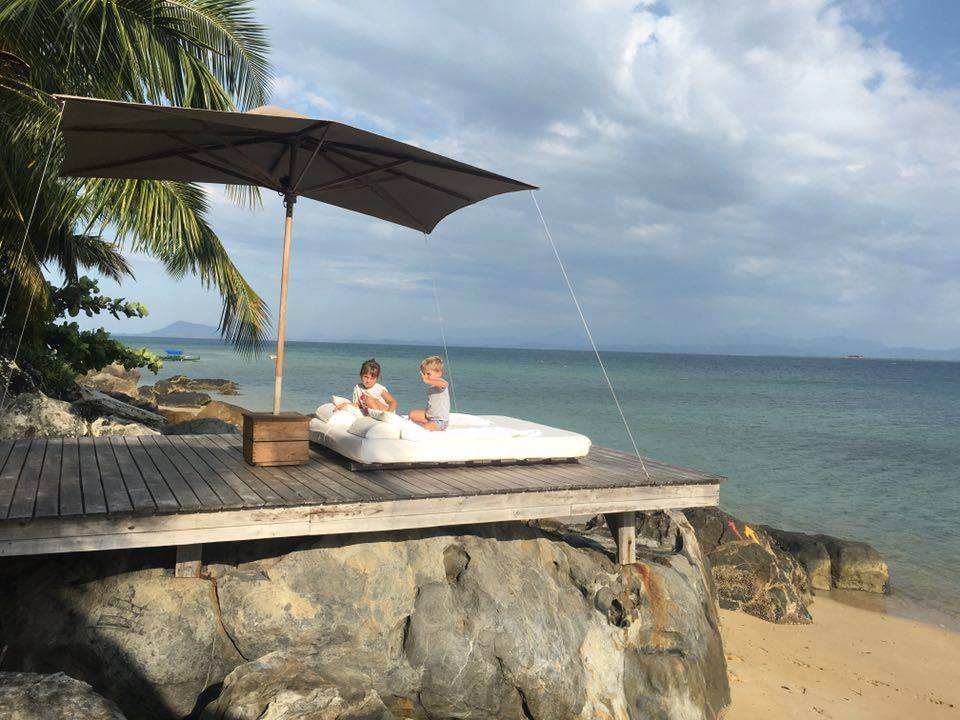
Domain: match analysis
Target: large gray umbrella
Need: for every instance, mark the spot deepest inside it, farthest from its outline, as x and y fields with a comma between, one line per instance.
x=276, y=149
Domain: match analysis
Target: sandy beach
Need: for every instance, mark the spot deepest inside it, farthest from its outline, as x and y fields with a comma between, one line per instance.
x=850, y=663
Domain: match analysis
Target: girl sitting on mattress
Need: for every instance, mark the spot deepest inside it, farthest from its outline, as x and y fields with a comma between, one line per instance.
x=369, y=394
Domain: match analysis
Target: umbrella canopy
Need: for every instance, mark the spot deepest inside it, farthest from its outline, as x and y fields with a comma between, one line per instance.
x=276, y=149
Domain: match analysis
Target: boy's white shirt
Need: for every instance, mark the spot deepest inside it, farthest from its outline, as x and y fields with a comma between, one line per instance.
x=376, y=391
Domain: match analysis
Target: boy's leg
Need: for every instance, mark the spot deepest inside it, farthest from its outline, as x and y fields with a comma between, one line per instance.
x=419, y=416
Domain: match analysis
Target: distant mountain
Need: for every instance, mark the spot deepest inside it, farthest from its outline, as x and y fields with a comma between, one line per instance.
x=184, y=329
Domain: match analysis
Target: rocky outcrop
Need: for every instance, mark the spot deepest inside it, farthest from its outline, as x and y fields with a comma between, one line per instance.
x=14, y=379
x=112, y=378
x=201, y=426
x=182, y=383
x=34, y=415
x=856, y=566
x=112, y=425
x=809, y=551
x=232, y=414
x=180, y=399
x=29, y=696
x=491, y=621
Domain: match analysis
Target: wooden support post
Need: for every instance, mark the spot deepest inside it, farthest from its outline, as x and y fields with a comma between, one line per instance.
x=623, y=528
x=188, y=561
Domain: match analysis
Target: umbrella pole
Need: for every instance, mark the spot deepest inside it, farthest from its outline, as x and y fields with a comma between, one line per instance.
x=288, y=202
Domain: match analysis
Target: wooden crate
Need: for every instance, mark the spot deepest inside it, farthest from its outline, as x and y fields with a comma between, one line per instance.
x=270, y=440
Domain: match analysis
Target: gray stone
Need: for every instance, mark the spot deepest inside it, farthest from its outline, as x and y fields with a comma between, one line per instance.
x=14, y=379
x=147, y=395
x=201, y=426
x=183, y=399
x=809, y=551
x=761, y=581
x=856, y=565
x=93, y=404
x=34, y=415
x=112, y=378
x=232, y=414
x=295, y=684
x=29, y=696
x=182, y=383
x=112, y=425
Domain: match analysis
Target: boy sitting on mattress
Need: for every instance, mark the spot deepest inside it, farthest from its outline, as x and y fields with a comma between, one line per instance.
x=436, y=416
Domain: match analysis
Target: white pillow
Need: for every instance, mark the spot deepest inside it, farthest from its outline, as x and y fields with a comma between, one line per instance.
x=385, y=416
x=360, y=426
x=383, y=431
x=325, y=411
x=341, y=418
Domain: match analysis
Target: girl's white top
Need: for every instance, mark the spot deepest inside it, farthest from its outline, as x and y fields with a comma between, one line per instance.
x=376, y=391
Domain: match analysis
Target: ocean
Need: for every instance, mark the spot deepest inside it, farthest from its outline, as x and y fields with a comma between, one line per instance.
x=862, y=449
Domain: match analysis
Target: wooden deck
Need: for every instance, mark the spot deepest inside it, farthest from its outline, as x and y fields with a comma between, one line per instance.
x=68, y=494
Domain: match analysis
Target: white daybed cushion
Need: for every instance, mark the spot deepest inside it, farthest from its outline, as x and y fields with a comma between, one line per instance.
x=489, y=437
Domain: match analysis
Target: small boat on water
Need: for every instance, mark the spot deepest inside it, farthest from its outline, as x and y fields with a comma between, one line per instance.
x=178, y=356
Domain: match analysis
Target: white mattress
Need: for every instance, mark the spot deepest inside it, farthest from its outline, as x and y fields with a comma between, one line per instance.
x=500, y=438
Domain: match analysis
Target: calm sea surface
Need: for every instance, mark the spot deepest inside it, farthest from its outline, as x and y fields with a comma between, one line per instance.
x=865, y=449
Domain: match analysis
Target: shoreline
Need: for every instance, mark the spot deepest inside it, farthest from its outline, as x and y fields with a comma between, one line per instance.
x=851, y=662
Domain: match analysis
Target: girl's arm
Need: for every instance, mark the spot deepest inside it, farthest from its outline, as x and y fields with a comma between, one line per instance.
x=391, y=403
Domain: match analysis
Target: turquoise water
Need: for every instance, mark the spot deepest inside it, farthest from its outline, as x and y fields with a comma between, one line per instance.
x=866, y=449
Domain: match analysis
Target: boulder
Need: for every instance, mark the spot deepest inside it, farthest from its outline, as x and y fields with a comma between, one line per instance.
x=15, y=380
x=760, y=581
x=809, y=551
x=183, y=399
x=295, y=684
x=178, y=415
x=147, y=395
x=30, y=696
x=856, y=565
x=232, y=414
x=486, y=622
x=112, y=425
x=94, y=404
x=201, y=426
x=34, y=415
x=112, y=378
x=182, y=383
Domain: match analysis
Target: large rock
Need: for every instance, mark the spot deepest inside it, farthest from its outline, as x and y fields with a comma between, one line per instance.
x=14, y=379
x=294, y=684
x=232, y=414
x=182, y=383
x=183, y=399
x=34, y=415
x=112, y=425
x=148, y=641
x=809, y=551
x=490, y=621
x=93, y=404
x=201, y=426
x=856, y=565
x=751, y=571
x=29, y=696
x=112, y=378
x=761, y=581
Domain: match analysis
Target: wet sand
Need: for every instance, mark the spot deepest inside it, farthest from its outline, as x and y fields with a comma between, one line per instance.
x=850, y=663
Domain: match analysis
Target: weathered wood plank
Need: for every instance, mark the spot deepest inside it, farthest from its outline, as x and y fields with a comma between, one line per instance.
x=301, y=491
x=48, y=492
x=189, y=561
x=137, y=489
x=222, y=493
x=71, y=496
x=114, y=491
x=206, y=464
x=182, y=490
x=25, y=496
x=94, y=502
x=266, y=486
x=162, y=495
x=16, y=455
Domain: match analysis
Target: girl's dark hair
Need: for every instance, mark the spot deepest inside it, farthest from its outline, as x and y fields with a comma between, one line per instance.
x=370, y=366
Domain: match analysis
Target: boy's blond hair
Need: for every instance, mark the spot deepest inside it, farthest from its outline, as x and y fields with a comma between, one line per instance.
x=434, y=362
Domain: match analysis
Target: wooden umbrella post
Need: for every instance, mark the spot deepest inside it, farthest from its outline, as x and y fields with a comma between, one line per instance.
x=278, y=438
x=288, y=201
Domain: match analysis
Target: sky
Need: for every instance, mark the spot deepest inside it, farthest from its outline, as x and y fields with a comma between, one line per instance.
x=709, y=171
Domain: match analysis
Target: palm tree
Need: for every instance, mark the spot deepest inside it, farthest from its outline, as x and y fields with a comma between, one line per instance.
x=194, y=53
